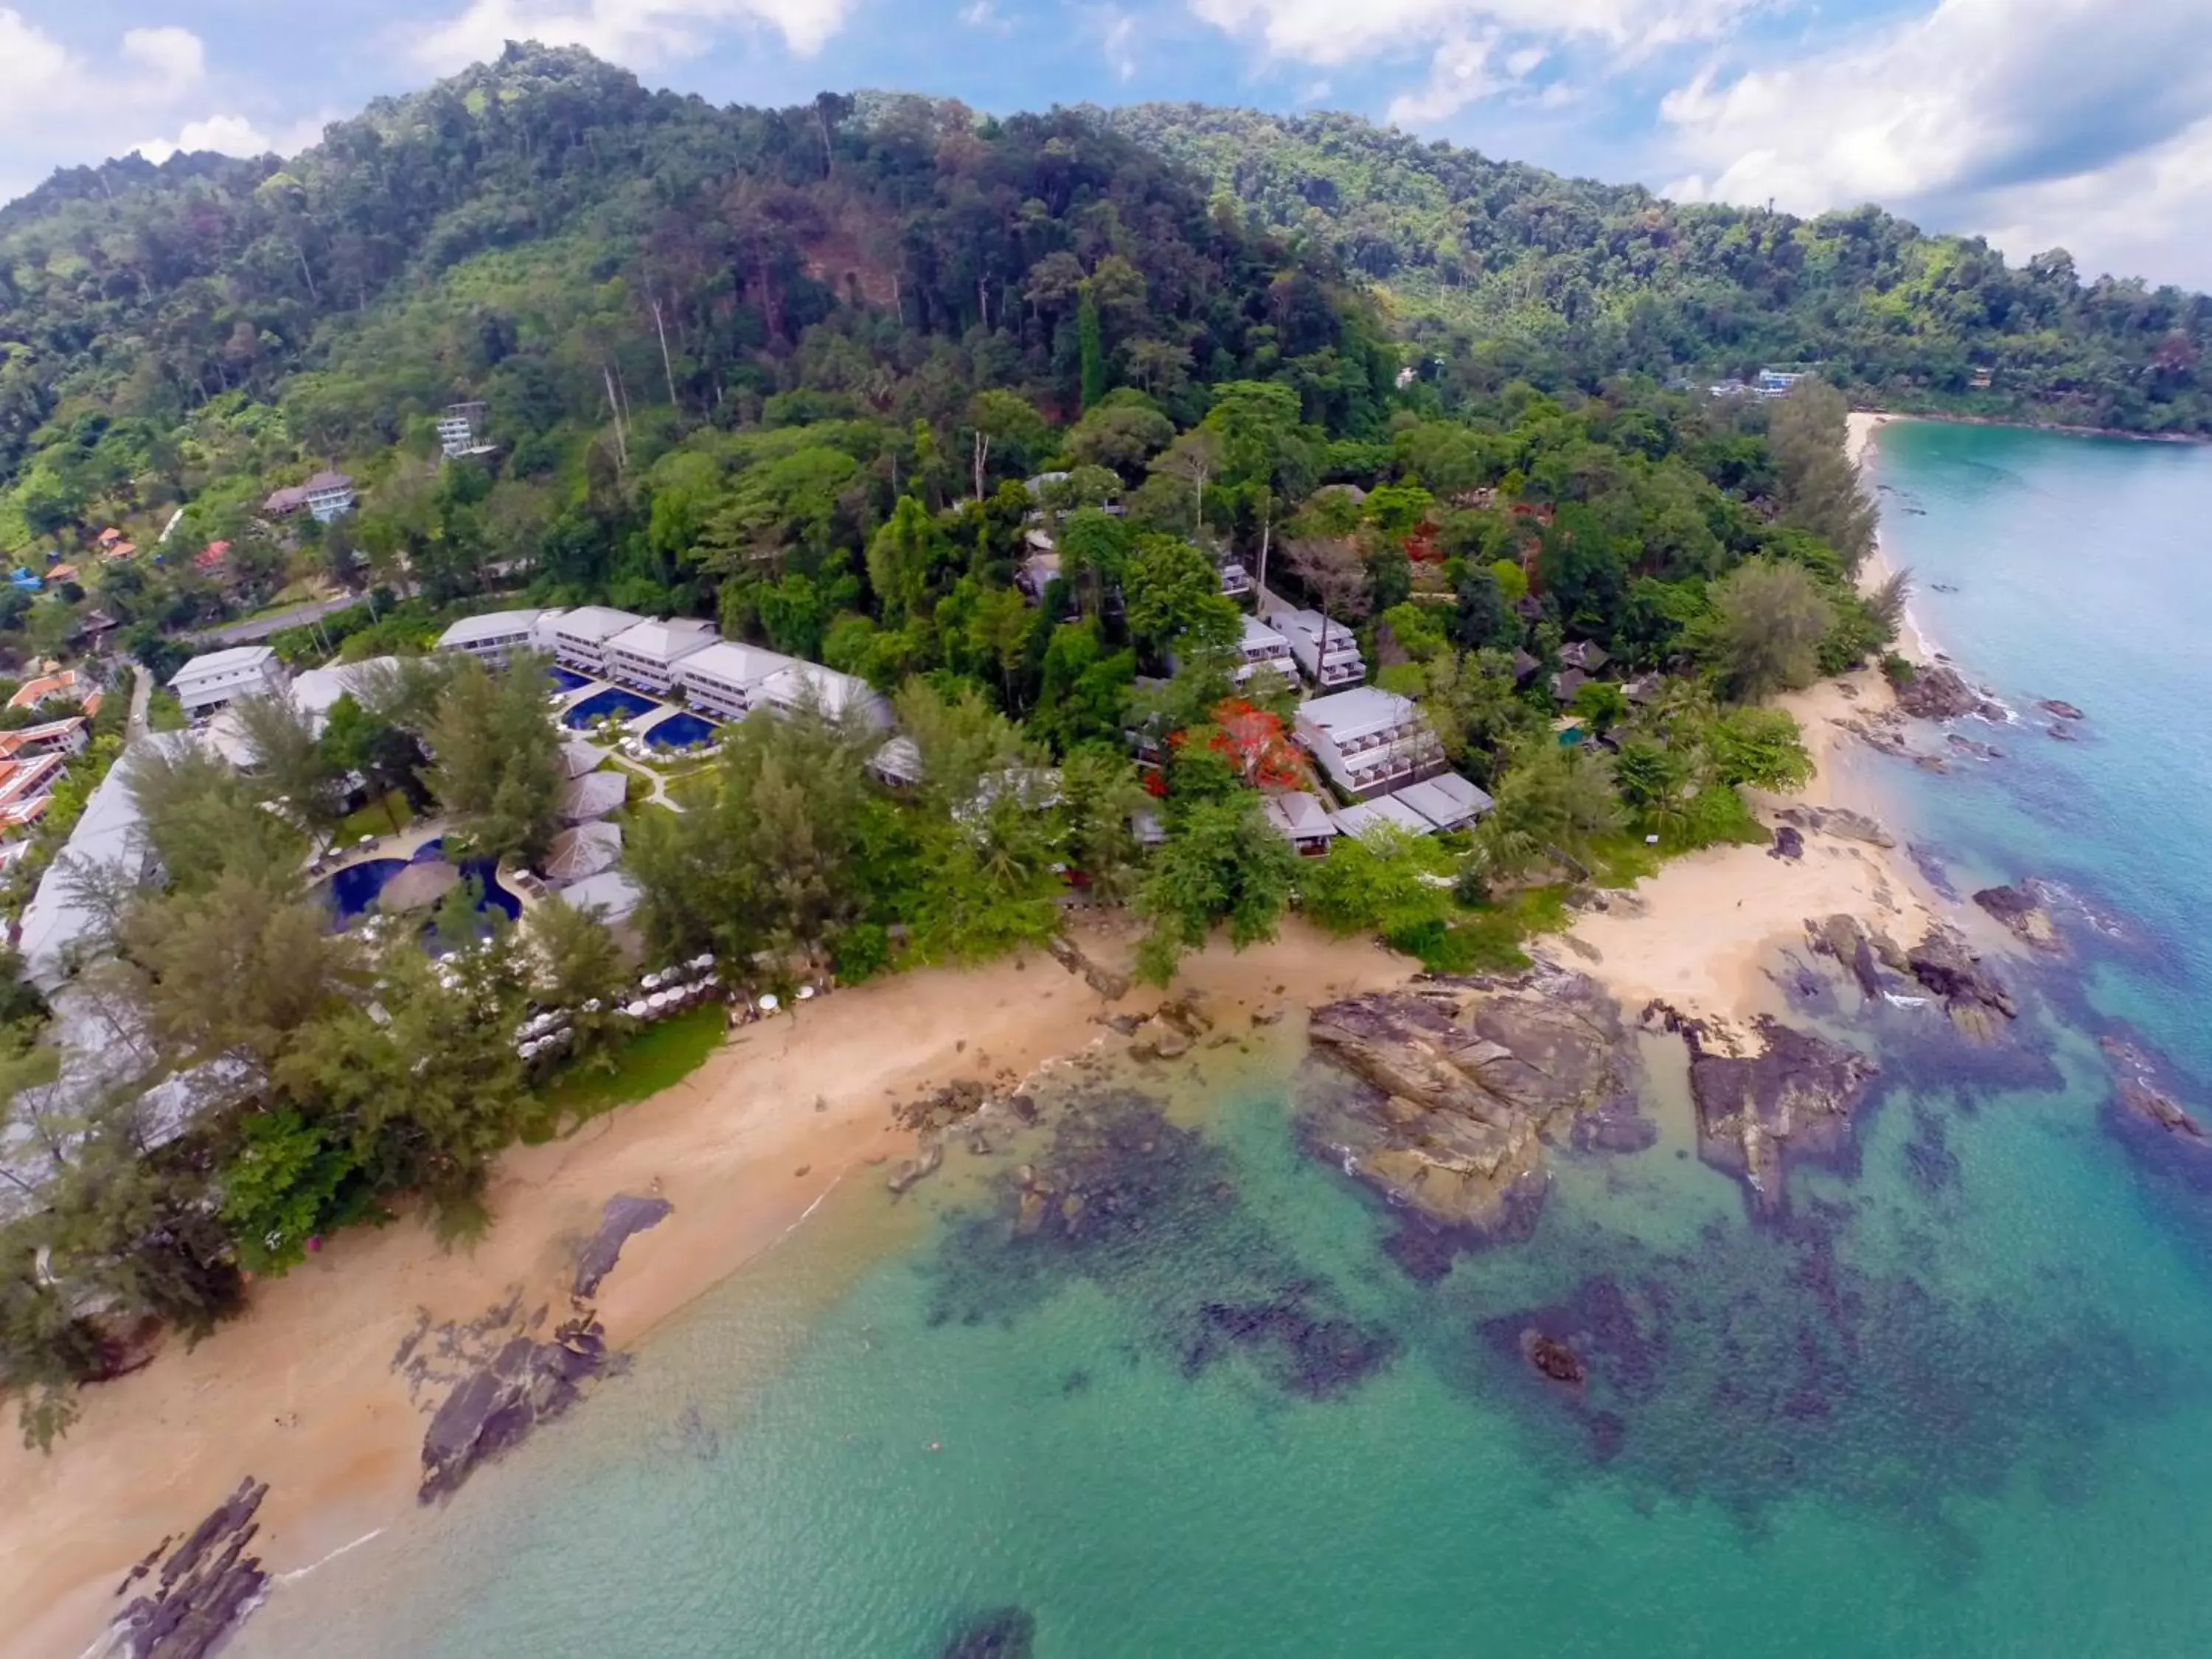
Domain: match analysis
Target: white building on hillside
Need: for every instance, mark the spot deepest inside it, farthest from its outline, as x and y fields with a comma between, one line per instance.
x=722, y=680
x=329, y=495
x=1342, y=665
x=806, y=685
x=645, y=656
x=1263, y=646
x=215, y=677
x=495, y=637
x=581, y=637
x=1369, y=741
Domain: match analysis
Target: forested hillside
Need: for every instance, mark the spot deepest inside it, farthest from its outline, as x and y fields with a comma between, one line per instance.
x=1548, y=274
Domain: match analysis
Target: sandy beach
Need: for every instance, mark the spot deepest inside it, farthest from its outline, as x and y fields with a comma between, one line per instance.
x=302, y=1391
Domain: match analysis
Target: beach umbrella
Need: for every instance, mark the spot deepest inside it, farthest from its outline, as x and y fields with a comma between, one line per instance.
x=651, y=981
x=769, y=1004
x=585, y=850
x=637, y=1011
x=418, y=887
x=703, y=961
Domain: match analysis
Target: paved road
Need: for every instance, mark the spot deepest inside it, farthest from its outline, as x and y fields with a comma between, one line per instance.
x=257, y=628
x=142, y=693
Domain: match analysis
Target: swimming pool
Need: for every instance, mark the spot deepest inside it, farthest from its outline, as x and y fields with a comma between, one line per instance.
x=683, y=730
x=600, y=705
x=352, y=892
x=566, y=680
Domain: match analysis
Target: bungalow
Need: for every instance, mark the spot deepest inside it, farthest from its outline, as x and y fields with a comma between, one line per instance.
x=119, y=551
x=806, y=684
x=61, y=572
x=214, y=678
x=1363, y=816
x=645, y=655
x=209, y=560
x=897, y=764
x=1303, y=821
x=1446, y=801
x=47, y=688
x=581, y=637
x=1583, y=654
x=1304, y=630
x=494, y=637
x=1369, y=741
x=1235, y=579
x=722, y=678
x=1567, y=682
x=1260, y=647
x=1038, y=571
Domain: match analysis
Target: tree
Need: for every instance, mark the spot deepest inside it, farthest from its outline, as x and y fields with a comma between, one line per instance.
x=1600, y=705
x=578, y=966
x=1190, y=460
x=1225, y=864
x=498, y=771
x=1552, y=801
x=1764, y=635
x=1090, y=349
x=1258, y=750
x=1383, y=880
x=292, y=764
x=383, y=756
x=1764, y=748
x=1005, y=421
x=1333, y=570
x=1821, y=488
x=203, y=820
x=1100, y=798
x=1120, y=435
x=1175, y=600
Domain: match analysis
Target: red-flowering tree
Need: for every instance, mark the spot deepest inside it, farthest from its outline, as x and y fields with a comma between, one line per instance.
x=1254, y=743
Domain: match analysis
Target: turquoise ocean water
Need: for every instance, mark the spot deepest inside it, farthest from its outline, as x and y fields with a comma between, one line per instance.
x=1960, y=1403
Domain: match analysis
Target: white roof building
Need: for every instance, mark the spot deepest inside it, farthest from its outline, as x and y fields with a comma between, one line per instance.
x=1369, y=741
x=1446, y=801
x=806, y=683
x=215, y=677
x=316, y=692
x=581, y=637
x=60, y=921
x=1260, y=647
x=611, y=893
x=646, y=654
x=1303, y=821
x=721, y=678
x=1363, y=816
x=495, y=636
x=1337, y=664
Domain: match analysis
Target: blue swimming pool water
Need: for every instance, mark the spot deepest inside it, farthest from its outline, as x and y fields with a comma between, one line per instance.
x=682, y=731
x=622, y=705
x=564, y=680
x=352, y=892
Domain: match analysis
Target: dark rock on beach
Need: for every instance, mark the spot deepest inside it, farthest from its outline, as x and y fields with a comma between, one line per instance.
x=1839, y=821
x=1467, y=1081
x=207, y=1585
x=1862, y=952
x=625, y=1214
x=1001, y=1633
x=1974, y=996
x=1764, y=1089
x=2022, y=909
x=526, y=1383
x=1938, y=691
x=1788, y=843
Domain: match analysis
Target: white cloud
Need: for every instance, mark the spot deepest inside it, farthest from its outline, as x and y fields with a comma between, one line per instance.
x=1459, y=74
x=233, y=135
x=1327, y=32
x=642, y=34
x=174, y=54
x=2032, y=119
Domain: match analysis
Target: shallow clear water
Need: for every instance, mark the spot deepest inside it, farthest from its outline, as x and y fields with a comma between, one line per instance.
x=1961, y=1404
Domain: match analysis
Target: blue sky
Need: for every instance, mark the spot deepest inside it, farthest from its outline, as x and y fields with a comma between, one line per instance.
x=2040, y=123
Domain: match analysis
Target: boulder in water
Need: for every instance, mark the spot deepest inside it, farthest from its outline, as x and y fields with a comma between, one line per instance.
x=2062, y=708
x=1970, y=993
x=1938, y=691
x=2021, y=910
x=1553, y=1358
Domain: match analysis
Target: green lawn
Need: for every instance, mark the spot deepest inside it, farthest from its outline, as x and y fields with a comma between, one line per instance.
x=659, y=1057
x=374, y=819
x=693, y=789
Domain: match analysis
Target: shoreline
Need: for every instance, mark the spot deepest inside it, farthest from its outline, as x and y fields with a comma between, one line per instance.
x=305, y=1391
x=1949, y=418
x=1861, y=435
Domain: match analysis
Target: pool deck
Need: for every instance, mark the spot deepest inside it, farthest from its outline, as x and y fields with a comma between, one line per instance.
x=404, y=845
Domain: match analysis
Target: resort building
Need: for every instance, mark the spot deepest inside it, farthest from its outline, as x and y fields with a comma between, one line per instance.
x=1303, y=821
x=1369, y=741
x=495, y=636
x=1446, y=801
x=579, y=637
x=721, y=678
x=1263, y=648
x=66, y=737
x=459, y=429
x=328, y=495
x=47, y=688
x=806, y=684
x=63, y=921
x=1363, y=816
x=645, y=655
x=1304, y=629
x=214, y=679
x=1235, y=579
x=25, y=785
x=316, y=692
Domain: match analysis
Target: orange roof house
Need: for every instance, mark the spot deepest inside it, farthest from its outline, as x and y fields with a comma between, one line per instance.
x=211, y=556
x=44, y=690
x=62, y=573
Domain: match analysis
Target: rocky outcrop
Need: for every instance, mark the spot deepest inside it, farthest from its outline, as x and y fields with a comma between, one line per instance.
x=1938, y=691
x=526, y=1382
x=1975, y=998
x=2021, y=909
x=626, y=1213
x=1839, y=821
x=2062, y=708
x=205, y=1587
x=2136, y=1088
x=928, y=1158
x=1467, y=1081
x=1863, y=952
x=1105, y=981
x=1766, y=1088
x=1788, y=843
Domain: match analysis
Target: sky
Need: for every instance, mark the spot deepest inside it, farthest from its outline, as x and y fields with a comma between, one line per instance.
x=2080, y=123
